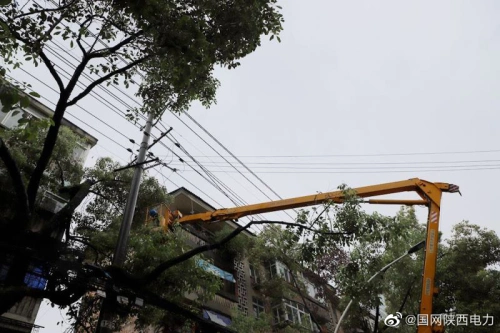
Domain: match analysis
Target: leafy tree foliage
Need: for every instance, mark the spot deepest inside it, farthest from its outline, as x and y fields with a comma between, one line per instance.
x=95, y=228
x=169, y=48
x=467, y=277
x=64, y=169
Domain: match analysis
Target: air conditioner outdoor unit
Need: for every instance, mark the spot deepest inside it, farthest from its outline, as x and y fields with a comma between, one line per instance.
x=52, y=202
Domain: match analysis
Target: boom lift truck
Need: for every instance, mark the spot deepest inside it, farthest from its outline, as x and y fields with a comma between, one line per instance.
x=430, y=194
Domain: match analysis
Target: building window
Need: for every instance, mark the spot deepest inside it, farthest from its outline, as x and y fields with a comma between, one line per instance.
x=258, y=307
x=254, y=274
x=278, y=269
x=11, y=119
x=293, y=312
x=80, y=153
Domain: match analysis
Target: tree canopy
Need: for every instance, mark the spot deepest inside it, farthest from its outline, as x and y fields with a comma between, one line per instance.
x=167, y=49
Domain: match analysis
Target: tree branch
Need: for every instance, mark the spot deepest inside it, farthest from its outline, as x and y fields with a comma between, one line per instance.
x=42, y=55
x=49, y=31
x=17, y=179
x=127, y=278
x=11, y=295
x=106, y=198
x=78, y=321
x=45, y=10
x=109, y=50
x=84, y=242
x=82, y=29
x=52, y=70
x=61, y=172
x=51, y=138
x=104, y=78
x=63, y=217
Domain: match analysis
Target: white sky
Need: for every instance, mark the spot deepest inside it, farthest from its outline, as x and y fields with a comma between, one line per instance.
x=350, y=77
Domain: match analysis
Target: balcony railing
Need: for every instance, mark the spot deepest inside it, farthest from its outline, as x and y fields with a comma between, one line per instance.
x=193, y=238
x=225, y=302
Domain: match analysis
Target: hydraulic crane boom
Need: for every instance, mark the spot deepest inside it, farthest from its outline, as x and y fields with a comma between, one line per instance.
x=430, y=194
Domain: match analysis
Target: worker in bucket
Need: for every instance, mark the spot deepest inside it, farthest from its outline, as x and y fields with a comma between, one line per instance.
x=153, y=214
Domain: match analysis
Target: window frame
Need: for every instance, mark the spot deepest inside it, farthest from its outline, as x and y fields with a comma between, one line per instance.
x=294, y=312
x=259, y=305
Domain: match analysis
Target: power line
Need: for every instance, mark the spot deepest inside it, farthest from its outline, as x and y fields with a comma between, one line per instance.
x=239, y=161
x=211, y=161
x=217, y=163
x=487, y=167
x=209, y=174
x=228, y=162
x=358, y=167
x=371, y=155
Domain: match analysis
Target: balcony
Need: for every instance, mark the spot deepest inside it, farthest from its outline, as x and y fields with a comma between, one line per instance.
x=193, y=238
x=219, y=301
x=225, y=303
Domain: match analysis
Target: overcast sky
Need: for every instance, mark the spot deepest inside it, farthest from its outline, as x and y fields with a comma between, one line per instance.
x=367, y=78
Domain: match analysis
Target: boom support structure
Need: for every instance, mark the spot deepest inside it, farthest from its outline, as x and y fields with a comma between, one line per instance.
x=430, y=194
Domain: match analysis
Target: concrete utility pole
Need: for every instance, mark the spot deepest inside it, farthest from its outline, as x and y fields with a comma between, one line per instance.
x=106, y=318
x=121, y=247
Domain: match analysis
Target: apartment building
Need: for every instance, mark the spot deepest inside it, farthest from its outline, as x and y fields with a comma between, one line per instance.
x=21, y=317
x=242, y=280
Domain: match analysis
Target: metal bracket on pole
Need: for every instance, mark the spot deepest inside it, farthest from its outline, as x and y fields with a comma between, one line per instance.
x=155, y=141
x=136, y=165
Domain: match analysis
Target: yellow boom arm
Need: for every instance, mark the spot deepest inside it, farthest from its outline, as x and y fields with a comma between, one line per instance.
x=430, y=194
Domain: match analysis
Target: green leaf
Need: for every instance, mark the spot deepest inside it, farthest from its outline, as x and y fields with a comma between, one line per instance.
x=35, y=94
x=24, y=102
x=272, y=37
x=5, y=2
x=279, y=39
x=4, y=32
x=71, y=44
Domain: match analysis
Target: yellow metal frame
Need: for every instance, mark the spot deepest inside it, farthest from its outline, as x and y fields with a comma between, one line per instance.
x=430, y=194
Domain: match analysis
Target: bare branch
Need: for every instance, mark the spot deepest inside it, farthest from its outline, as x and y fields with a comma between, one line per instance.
x=105, y=78
x=17, y=180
